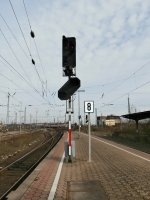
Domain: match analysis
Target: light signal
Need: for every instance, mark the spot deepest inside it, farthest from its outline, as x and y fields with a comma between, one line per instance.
x=69, y=88
x=69, y=55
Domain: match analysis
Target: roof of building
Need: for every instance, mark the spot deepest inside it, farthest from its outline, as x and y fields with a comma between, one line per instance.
x=137, y=116
x=112, y=117
x=101, y=117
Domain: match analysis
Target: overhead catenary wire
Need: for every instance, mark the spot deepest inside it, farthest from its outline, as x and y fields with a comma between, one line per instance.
x=33, y=36
x=130, y=76
x=119, y=80
x=20, y=28
x=40, y=60
x=126, y=79
x=20, y=64
x=15, y=84
x=15, y=38
x=9, y=80
x=123, y=81
x=120, y=84
x=127, y=93
x=102, y=84
x=33, y=62
x=20, y=75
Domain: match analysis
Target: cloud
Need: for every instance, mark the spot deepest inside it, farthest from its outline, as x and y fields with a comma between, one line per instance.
x=112, y=42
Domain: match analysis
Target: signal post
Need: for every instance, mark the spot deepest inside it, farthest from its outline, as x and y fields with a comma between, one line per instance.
x=69, y=133
x=73, y=83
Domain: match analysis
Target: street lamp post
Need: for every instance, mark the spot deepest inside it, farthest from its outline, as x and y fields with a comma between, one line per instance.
x=79, y=116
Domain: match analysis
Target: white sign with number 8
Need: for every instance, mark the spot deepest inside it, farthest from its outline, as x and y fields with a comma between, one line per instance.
x=88, y=106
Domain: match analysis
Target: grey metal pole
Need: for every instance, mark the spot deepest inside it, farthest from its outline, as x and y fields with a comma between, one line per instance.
x=79, y=110
x=30, y=121
x=25, y=113
x=89, y=130
x=7, y=118
x=96, y=116
x=36, y=120
x=16, y=117
x=79, y=107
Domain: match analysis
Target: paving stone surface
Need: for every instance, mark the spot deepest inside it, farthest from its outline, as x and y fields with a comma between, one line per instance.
x=121, y=176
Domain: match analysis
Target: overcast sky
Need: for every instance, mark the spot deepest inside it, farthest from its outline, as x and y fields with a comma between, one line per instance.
x=113, y=56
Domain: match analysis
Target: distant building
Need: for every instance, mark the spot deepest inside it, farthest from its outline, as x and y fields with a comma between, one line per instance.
x=101, y=120
x=112, y=120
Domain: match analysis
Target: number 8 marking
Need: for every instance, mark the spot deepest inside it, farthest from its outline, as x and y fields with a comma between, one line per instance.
x=89, y=106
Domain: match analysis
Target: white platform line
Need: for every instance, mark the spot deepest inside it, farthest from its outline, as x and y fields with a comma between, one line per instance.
x=120, y=149
x=55, y=183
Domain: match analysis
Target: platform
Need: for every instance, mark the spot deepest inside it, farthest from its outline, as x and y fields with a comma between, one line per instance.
x=116, y=172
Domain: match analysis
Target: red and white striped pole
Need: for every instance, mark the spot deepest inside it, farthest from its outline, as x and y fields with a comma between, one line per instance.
x=69, y=132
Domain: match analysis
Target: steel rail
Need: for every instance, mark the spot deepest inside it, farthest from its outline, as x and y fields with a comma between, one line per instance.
x=17, y=182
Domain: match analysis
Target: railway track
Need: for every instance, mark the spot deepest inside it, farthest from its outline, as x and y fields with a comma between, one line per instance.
x=13, y=175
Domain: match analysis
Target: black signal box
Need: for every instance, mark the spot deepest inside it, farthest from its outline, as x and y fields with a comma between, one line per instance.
x=69, y=88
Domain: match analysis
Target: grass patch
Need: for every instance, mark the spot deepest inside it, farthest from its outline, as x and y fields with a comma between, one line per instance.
x=139, y=142
x=125, y=134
